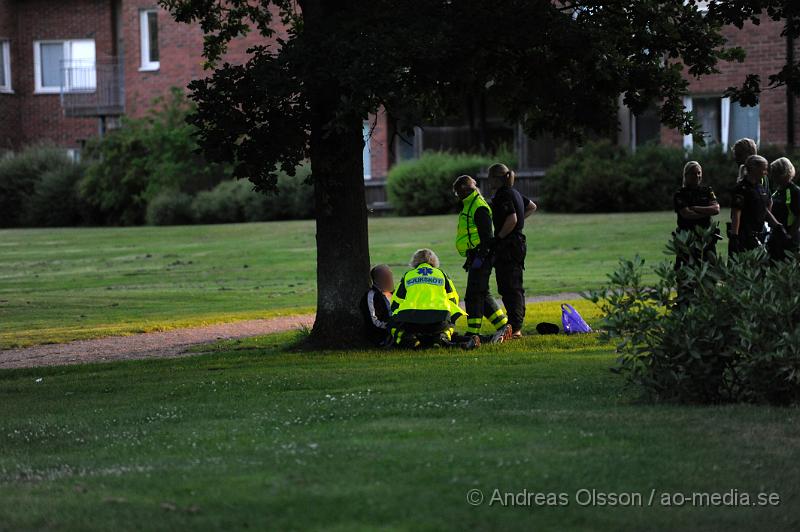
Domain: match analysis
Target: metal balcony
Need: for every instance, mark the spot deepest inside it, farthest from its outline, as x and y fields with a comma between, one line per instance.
x=92, y=88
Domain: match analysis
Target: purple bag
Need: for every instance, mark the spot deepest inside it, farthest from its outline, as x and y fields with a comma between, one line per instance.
x=572, y=321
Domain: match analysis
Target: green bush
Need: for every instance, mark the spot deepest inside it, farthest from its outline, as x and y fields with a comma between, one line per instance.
x=712, y=332
x=294, y=199
x=170, y=207
x=55, y=201
x=604, y=177
x=236, y=201
x=19, y=176
x=132, y=165
x=424, y=185
x=225, y=203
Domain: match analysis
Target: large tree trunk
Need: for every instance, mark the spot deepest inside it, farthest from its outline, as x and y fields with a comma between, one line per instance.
x=341, y=211
x=342, y=239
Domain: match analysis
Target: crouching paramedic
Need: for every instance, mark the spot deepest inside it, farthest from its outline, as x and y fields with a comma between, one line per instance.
x=425, y=306
x=474, y=240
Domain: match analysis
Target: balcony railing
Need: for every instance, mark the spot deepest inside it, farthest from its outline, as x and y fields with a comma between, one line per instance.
x=92, y=88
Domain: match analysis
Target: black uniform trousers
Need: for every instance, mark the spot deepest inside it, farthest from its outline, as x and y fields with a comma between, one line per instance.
x=509, y=266
x=478, y=301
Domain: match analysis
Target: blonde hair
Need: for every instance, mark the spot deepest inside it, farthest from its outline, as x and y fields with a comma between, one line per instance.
x=752, y=162
x=501, y=172
x=742, y=149
x=688, y=166
x=460, y=180
x=426, y=256
x=782, y=167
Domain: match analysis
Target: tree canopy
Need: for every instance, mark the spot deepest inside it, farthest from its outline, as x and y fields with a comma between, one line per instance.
x=551, y=65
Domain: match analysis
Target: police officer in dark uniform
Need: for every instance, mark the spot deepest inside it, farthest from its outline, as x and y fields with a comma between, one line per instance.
x=750, y=207
x=695, y=204
x=785, y=208
x=509, y=208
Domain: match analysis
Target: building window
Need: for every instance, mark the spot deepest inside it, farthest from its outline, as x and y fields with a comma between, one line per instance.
x=148, y=32
x=744, y=122
x=5, y=66
x=64, y=64
x=723, y=122
x=647, y=127
x=366, y=154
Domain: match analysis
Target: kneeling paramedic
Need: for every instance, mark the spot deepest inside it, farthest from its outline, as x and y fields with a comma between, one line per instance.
x=425, y=307
x=474, y=240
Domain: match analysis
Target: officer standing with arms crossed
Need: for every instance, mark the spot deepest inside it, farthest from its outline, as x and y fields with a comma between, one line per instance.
x=510, y=209
x=474, y=241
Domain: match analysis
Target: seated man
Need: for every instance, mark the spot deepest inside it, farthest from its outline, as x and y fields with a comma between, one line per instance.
x=376, y=306
x=425, y=307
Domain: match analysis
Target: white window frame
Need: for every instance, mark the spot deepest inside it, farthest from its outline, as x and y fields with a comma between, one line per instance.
x=366, y=154
x=144, y=42
x=725, y=122
x=5, y=49
x=37, y=64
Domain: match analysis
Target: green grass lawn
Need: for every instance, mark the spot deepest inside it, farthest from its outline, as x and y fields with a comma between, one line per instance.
x=65, y=284
x=252, y=436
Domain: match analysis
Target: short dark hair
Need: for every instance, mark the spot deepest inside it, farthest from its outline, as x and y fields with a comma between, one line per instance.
x=374, y=271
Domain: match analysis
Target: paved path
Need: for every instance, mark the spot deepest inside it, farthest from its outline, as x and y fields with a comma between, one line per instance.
x=145, y=345
x=166, y=344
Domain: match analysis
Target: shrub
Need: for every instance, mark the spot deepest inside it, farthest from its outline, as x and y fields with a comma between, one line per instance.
x=236, y=201
x=19, y=175
x=132, y=165
x=424, y=185
x=170, y=207
x=55, y=201
x=711, y=332
x=296, y=194
x=604, y=177
x=222, y=204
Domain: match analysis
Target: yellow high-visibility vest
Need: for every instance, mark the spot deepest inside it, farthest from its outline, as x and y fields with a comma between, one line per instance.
x=425, y=295
x=467, y=234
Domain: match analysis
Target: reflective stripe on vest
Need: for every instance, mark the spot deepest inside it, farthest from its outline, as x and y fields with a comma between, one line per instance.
x=790, y=214
x=467, y=236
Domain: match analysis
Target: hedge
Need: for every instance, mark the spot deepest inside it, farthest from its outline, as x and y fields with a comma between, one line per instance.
x=425, y=185
x=603, y=177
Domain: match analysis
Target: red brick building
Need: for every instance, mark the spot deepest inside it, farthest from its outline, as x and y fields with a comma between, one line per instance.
x=70, y=68
x=773, y=121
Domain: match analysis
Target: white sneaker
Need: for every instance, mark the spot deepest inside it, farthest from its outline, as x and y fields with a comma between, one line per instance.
x=502, y=335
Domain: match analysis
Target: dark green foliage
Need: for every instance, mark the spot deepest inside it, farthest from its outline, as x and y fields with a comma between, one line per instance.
x=55, y=201
x=225, y=203
x=553, y=66
x=711, y=332
x=604, y=177
x=425, y=185
x=170, y=207
x=134, y=164
x=19, y=176
x=236, y=201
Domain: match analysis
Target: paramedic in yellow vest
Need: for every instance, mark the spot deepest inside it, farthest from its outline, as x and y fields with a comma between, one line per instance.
x=785, y=208
x=425, y=307
x=474, y=240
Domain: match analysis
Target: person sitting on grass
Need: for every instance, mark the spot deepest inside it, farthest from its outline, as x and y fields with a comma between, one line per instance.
x=425, y=307
x=376, y=305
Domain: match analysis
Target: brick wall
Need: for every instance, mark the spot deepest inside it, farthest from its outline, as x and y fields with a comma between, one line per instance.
x=9, y=103
x=180, y=50
x=379, y=144
x=41, y=116
x=766, y=54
